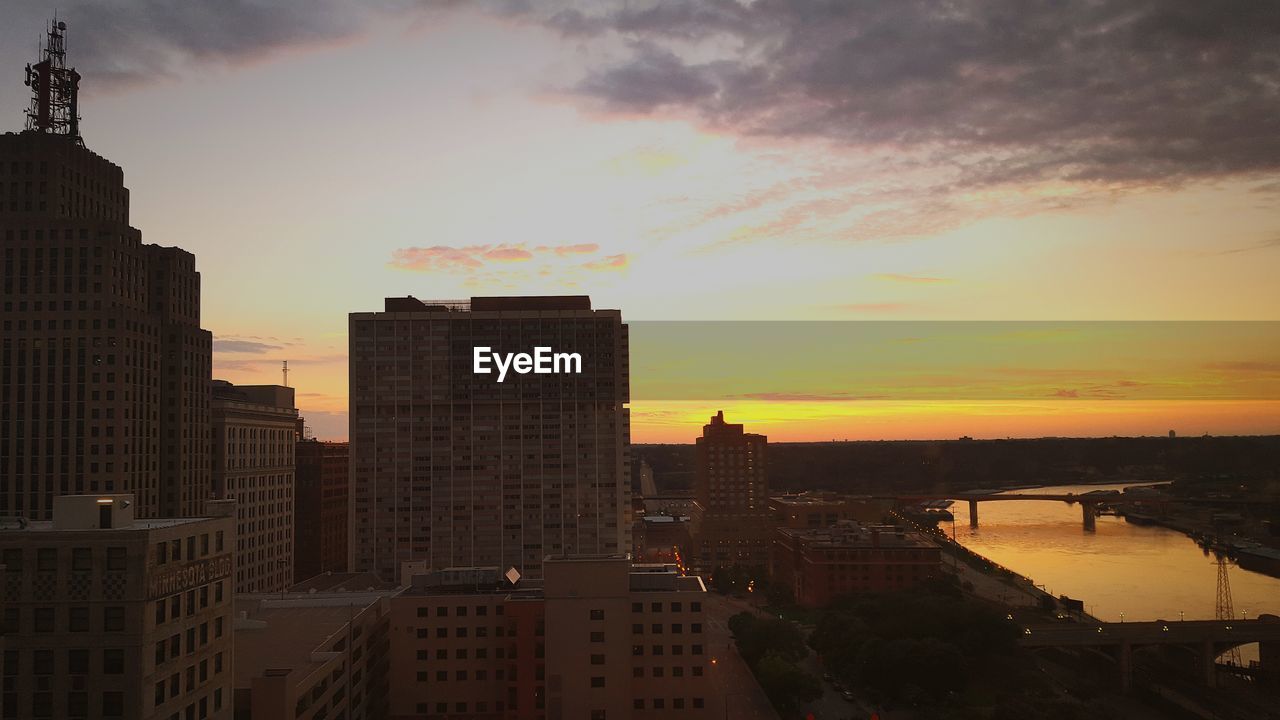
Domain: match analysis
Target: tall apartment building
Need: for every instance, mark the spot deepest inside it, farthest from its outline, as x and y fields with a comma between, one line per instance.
x=598, y=637
x=313, y=655
x=109, y=616
x=321, y=496
x=455, y=468
x=731, y=517
x=254, y=430
x=104, y=369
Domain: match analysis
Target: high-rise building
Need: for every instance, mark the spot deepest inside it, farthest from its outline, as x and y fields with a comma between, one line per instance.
x=321, y=497
x=597, y=637
x=731, y=517
x=254, y=430
x=104, y=369
x=455, y=468
x=108, y=616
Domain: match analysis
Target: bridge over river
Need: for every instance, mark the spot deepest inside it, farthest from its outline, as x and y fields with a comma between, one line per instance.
x=1206, y=638
x=1088, y=501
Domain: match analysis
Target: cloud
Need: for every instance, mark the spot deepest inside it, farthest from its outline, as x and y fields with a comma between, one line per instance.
x=1249, y=367
x=471, y=258
x=1003, y=91
x=806, y=397
x=883, y=307
x=1269, y=244
x=608, y=262
x=243, y=346
x=896, y=277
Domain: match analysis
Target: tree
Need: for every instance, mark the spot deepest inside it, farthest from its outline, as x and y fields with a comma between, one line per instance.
x=787, y=685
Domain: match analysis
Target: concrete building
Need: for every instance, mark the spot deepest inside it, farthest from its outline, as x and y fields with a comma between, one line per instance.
x=254, y=430
x=822, y=564
x=457, y=468
x=321, y=498
x=111, y=616
x=312, y=655
x=598, y=637
x=731, y=520
x=104, y=369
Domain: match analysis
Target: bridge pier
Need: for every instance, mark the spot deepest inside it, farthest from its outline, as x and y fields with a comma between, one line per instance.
x=1269, y=656
x=1125, y=661
x=973, y=513
x=1090, y=511
x=1209, y=663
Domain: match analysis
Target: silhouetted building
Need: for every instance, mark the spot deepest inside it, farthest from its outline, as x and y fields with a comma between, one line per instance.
x=254, y=430
x=313, y=655
x=104, y=370
x=597, y=638
x=321, y=497
x=108, y=616
x=732, y=523
x=822, y=564
x=455, y=468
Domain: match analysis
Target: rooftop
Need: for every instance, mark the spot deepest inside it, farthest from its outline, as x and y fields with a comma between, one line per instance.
x=848, y=534
x=284, y=638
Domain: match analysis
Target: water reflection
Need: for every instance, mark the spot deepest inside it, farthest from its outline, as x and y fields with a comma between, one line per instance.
x=1146, y=573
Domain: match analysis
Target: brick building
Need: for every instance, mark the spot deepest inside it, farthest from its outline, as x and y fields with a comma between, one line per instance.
x=321, y=499
x=821, y=564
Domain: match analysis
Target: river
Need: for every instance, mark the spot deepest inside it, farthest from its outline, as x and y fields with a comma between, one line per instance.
x=1121, y=571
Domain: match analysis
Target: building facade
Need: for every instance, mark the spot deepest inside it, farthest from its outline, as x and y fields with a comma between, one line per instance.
x=821, y=564
x=597, y=637
x=321, y=497
x=254, y=431
x=313, y=655
x=104, y=369
x=458, y=469
x=731, y=519
x=108, y=616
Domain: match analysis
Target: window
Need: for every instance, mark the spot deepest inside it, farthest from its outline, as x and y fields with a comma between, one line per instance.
x=113, y=661
x=597, y=637
x=81, y=559
x=656, y=629
x=637, y=607
x=677, y=606
x=78, y=661
x=697, y=703
x=597, y=614
x=113, y=618
x=655, y=607
x=44, y=619
x=113, y=703
x=46, y=559
x=597, y=659
x=597, y=681
x=638, y=704
x=79, y=619
x=637, y=671
x=678, y=703
x=461, y=611
x=695, y=606
x=697, y=649
x=637, y=628
x=116, y=559
x=42, y=662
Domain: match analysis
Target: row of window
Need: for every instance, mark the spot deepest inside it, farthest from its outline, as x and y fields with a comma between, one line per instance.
x=79, y=619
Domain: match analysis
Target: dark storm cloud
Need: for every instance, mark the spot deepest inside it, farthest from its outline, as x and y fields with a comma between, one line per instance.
x=1010, y=89
x=134, y=41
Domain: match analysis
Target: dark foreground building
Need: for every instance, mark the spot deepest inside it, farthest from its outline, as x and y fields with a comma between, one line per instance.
x=104, y=369
x=320, y=499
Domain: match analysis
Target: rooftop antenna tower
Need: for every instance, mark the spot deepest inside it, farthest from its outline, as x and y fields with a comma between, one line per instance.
x=285, y=370
x=1223, y=609
x=54, y=88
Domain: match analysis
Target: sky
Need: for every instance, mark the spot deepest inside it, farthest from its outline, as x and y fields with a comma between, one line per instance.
x=711, y=161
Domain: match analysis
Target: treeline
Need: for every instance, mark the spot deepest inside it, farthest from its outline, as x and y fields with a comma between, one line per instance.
x=931, y=466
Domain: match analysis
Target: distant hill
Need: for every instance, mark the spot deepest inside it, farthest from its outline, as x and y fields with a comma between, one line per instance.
x=936, y=465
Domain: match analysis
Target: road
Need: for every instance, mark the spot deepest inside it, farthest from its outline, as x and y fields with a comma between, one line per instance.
x=731, y=679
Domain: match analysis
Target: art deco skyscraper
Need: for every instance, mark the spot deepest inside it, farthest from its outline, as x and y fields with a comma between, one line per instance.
x=104, y=370
x=450, y=468
x=731, y=515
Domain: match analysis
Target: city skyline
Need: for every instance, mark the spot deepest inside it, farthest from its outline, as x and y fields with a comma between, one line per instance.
x=666, y=205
